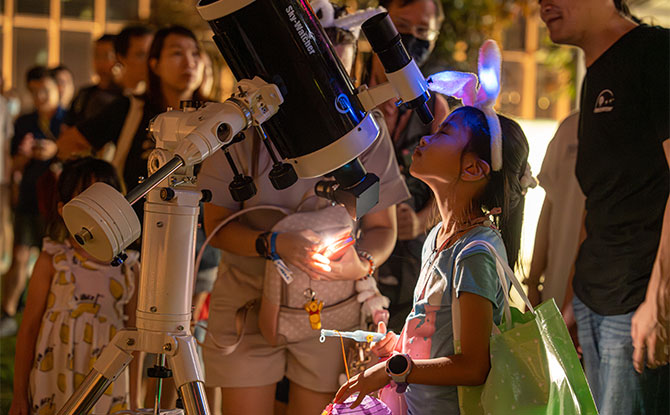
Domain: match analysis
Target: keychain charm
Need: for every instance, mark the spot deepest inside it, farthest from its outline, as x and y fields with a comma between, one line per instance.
x=313, y=308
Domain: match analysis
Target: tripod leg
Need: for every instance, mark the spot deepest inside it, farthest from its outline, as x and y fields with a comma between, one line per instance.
x=188, y=377
x=106, y=369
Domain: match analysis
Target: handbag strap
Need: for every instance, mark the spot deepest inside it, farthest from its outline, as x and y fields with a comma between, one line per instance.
x=502, y=269
x=240, y=329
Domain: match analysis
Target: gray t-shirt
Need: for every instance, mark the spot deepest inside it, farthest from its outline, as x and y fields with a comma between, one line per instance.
x=428, y=331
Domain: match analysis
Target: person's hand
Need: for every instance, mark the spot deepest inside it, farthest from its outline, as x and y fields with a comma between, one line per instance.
x=569, y=318
x=297, y=249
x=19, y=406
x=374, y=378
x=26, y=145
x=349, y=266
x=650, y=338
x=409, y=224
x=44, y=149
x=385, y=346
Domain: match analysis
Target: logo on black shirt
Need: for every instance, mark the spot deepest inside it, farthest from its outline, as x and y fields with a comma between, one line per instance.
x=604, y=102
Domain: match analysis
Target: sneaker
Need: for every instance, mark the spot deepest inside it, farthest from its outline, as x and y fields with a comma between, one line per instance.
x=8, y=326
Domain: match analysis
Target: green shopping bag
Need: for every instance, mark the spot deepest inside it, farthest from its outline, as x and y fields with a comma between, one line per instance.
x=534, y=366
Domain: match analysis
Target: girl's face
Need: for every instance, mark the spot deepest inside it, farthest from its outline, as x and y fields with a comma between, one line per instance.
x=179, y=65
x=438, y=157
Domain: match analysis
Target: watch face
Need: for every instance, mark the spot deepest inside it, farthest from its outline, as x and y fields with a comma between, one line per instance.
x=398, y=364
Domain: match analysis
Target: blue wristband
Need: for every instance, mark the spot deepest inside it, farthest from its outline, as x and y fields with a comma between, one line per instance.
x=273, y=246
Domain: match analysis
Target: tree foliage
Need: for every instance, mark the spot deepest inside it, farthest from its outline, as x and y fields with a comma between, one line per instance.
x=466, y=25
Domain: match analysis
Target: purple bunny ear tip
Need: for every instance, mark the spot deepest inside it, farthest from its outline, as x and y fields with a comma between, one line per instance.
x=489, y=67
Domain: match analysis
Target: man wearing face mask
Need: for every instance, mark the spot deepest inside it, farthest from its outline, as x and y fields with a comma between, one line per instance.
x=418, y=22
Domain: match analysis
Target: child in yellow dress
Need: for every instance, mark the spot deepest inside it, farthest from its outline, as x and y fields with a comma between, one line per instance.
x=75, y=306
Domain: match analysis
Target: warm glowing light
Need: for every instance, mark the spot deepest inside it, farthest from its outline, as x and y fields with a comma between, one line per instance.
x=324, y=267
x=327, y=241
x=320, y=259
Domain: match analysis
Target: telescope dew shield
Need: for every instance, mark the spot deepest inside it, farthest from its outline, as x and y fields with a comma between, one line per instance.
x=401, y=70
x=321, y=125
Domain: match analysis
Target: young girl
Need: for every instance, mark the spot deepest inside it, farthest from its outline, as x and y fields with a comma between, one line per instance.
x=75, y=306
x=456, y=163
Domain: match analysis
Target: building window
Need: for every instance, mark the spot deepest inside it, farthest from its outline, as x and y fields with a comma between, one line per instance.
x=39, y=7
x=122, y=10
x=76, y=54
x=55, y=32
x=33, y=46
x=78, y=9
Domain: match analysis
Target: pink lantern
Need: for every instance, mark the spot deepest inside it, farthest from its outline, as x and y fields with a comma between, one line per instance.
x=369, y=406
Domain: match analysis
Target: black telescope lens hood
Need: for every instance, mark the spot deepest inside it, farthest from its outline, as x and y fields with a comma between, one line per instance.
x=380, y=32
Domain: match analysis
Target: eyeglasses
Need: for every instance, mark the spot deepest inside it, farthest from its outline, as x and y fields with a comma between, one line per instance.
x=419, y=31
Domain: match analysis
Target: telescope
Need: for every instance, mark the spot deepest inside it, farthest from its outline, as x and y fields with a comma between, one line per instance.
x=294, y=92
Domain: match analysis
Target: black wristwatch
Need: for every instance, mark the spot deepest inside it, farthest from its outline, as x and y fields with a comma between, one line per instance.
x=262, y=246
x=398, y=367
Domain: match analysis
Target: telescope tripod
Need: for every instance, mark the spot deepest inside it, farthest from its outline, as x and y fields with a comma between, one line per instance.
x=163, y=306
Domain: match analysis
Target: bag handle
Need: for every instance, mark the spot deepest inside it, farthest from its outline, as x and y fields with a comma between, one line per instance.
x=503, y=269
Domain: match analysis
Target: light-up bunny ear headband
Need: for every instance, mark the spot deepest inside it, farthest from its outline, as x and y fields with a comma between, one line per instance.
x=480, y=92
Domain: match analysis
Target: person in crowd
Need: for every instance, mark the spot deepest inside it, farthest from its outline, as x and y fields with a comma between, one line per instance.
x=132, y=47
x=620, y=264
x=247, y=377
x=557, y=235
x=6, y=133
x=75, y=305
x=33, y=148
x=418, y=22
x=65, y=80
x=175, y=73
x=457, y=162
x=90, y=100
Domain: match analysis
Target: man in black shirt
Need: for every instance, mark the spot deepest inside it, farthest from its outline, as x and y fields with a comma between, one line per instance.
x=90, y=99
x=622, y=168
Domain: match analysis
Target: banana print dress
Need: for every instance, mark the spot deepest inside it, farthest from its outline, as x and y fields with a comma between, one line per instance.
x=83, y=312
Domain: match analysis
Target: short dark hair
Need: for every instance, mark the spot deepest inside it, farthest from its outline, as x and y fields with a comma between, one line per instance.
x=122, y=40
x=39, y=72
x=60, y=68
x=77, y=176
x=107, y=37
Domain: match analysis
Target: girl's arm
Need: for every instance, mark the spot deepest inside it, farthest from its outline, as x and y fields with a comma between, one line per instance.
x=38, y=291
x=135, y=367
x=470, y=367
